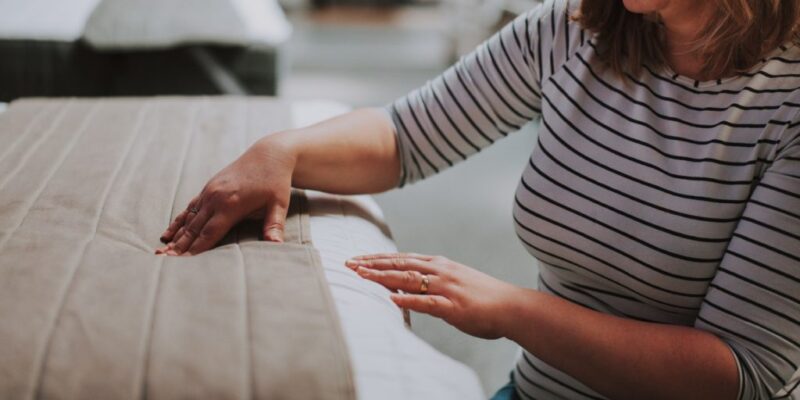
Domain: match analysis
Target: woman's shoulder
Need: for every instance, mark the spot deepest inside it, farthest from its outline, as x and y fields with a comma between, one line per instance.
x=554, y=13
x=778, y=73
x=551, y=24
x=783, y=62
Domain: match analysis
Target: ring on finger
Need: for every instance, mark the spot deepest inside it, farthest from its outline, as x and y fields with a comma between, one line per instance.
x=194, y=210
x=423, y=286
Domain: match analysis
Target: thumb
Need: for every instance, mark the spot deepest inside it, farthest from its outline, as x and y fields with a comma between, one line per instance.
x=275, y=220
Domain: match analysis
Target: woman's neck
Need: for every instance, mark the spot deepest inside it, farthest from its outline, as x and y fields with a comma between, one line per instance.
x=683, y=22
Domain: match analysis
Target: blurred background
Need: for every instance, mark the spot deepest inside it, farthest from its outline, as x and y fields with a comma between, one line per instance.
x=358, y=52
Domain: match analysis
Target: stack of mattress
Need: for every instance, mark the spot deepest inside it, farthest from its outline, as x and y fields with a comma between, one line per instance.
x=120, y=47
x=88, y=311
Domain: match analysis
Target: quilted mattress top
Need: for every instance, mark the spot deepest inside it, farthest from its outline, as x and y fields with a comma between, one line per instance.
x=88, y=311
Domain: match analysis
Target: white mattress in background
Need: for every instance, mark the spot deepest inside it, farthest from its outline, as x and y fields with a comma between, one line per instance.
x=146, y=24
x=141, y=24
x=57, y=20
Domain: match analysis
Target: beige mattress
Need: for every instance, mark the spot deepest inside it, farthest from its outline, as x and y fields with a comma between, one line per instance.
x=87, y=309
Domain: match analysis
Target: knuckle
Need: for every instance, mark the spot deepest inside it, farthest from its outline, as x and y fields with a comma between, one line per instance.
x=231, y=200
x=409, y=277
x=449, y=266
x=192, y=231
x=431, y=301
x=276, y=225
x=208, y=232
x=398, y=261
x=212, y=189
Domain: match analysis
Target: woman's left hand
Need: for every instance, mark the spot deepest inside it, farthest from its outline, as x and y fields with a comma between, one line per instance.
x=470, y=300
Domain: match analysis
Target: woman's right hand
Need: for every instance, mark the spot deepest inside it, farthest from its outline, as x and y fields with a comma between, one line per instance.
x=260, y=179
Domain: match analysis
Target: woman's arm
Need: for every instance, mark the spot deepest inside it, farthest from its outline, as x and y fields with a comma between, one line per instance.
x=352, y=153
x=488, y=94
x=618, y=358
x=621, y=358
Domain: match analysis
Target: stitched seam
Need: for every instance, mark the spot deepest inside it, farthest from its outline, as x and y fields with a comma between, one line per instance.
x=250, y=387
x=48, y=132
x=150, y=330
x=39, y=191
x=348, y=379
x=42, y=361
x=57, y=165
x=190, y=138
x=29, y=129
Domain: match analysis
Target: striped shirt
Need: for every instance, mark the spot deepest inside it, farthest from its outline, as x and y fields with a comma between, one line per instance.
x=653, y=197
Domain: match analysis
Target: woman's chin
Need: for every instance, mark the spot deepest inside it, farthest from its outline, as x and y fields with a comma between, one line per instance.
x=645, y=6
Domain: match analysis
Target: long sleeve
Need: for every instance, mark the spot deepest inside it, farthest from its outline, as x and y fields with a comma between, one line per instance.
x=753, y=303
x=488, y=94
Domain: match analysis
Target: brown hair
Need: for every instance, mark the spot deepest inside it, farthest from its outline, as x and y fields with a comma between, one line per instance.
x=737, y=37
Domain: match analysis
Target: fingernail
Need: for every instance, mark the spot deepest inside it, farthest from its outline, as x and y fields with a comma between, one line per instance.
x=171, y=253
x=350, y=262
x=362, y=271
x=274, y=235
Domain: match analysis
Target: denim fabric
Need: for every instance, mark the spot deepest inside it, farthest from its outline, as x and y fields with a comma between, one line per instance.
x=507, y=392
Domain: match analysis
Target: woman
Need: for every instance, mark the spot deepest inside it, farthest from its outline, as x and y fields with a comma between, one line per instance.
x=661, y=201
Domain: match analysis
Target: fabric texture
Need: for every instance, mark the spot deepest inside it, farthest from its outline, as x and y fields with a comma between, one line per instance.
x=653, y=197
x=390, y=361
x=88, y=311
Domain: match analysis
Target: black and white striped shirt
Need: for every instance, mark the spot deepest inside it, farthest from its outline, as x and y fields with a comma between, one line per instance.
x=653, y=197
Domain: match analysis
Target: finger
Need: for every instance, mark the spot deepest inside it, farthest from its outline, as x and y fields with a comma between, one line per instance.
x=176, y=224
x=190, y=216
x=396, y=263
x=192, y=230
x=211, y=233
x=275, y=220
x=407, y=281
x=179, y=221
x=162, y=250
x=438, y=306
x=380, y=256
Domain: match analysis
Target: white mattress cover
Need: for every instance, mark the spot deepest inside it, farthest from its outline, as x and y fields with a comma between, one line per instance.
x=145, y=24
x=57, y=20
x=141, y=24
x=390, y=361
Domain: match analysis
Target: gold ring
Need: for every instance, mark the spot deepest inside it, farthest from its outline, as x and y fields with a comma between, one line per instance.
x=423, y=287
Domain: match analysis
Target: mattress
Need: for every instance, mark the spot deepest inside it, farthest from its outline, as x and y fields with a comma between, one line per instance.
x=148, y=48
x=146, y=24
x=114, y=24
x=66, y=317
x=45, y=20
